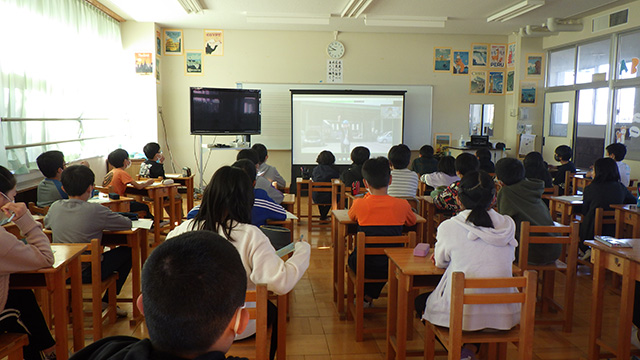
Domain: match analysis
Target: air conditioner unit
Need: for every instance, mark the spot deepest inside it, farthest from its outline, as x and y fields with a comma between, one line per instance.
x=608, y=21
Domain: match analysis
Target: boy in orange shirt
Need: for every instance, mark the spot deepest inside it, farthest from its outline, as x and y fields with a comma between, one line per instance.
x=378, y=214
x=118, y=179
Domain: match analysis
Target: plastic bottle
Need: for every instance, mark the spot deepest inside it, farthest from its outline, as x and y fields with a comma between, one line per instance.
x=462, y=140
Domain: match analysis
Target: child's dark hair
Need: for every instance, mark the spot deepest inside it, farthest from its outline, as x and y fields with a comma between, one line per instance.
x=510, y=171
x=326, y=157
x=447, y=165
x=606, y=170
x=248, y=154
x=477, y=190
x=400, y=156
x=564, y=152
x=262, y=152
x=483, y=154
x=117, y=157
x=426, y=151
x=49, y=162
x=360, y=154
x=534, y=166
x=618, y=150
x=151, y=149
x=247, y=166
x=7, y=180
x=76, y=179
x=377, y=172
x=466, y=162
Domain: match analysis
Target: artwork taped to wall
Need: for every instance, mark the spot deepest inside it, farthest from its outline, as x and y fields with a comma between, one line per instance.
x=442, y=59
x=460, y=62
x=511, y=78
x=214, y=42
x=534, y=65
x=193, y=62
x=479, y=54
x=158, y=43
x=495, y=85
x=334, y=71
x=172, y=41
x=497, y=55
x=441, y=141
x=144, y=63
x=528, y=93
x=477, y=82
x=511, y=55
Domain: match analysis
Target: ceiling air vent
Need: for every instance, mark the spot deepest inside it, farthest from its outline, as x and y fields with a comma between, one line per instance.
x=608, y=21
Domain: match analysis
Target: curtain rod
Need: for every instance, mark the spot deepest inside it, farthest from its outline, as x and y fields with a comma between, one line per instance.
x=106, y=10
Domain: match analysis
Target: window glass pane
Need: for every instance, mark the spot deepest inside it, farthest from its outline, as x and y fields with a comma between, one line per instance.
x=562, y=67
x=475, y=119
x=628, y=46
x=487, y=120
x=592, y=106
x=559, y=119
x=625, y=130
x=593, y=58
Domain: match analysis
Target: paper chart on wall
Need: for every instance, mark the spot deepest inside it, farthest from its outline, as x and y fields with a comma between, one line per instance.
x=527, y=144
x=334, y=71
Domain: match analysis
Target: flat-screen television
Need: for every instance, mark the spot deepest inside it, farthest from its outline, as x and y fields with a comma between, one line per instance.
x=225, y=111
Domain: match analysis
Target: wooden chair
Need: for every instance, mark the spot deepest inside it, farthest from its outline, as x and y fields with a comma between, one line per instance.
x=259, y=314
x=568, y=183
x=11, y=345
x=568, y=236
x=454, y=337
x=166, y=204
x=317, y=187
x=553, y=191
x=633, y=190
x=37, y=210
x=356, y=280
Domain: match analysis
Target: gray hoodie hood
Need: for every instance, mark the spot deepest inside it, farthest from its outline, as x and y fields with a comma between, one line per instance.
x=502, y=233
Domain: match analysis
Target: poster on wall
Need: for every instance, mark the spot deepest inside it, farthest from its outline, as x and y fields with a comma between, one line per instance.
x=496, y=83
x=172, y=42
x=511, y=55
x=479, y=54
x=477, y=82
x=442, y=59
x=460, y=62
x=214, y=42
x=157, y=69
x=193, y=62
x=528, y=93
x=441, y=141
x=498, y=54
x=144, y=63
x=511, y=77
x=158, y=43
x=534, y=66
x=334, y=71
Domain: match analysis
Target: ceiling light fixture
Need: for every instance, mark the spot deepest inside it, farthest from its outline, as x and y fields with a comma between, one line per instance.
x=406, y=21
x=516, y=10
x=191, y=6
x=355, y=8
x=301, y=19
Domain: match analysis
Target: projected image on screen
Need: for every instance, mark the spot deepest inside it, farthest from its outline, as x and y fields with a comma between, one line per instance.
x=340, y=121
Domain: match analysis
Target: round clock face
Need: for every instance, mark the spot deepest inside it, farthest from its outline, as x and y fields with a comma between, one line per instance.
x=335, y=49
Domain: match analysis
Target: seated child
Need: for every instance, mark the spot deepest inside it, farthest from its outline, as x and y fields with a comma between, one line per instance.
x=51, y=163
x=261, y=181
x=445, y=176
x=404, y=182
x=378, y=214
x=479, y=242
x=536, y=168
x=359, y=155
x=75, y=220
x=153, y=167
x=267, y=171
x=521, y=198
x=563, y=154
x=324, y=172
x=425, y=163
x=118, y=179
x=185, y=273
x=617, y=152
x=448, y=198
x=484, y=158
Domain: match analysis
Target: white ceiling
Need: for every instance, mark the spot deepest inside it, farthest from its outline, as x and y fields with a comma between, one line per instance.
x=465, y=16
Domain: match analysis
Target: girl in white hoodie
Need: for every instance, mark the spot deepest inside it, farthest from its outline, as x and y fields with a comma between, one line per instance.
x=481, y=243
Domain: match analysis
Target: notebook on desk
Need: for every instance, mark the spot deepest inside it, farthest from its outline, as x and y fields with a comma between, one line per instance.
x=614, y=242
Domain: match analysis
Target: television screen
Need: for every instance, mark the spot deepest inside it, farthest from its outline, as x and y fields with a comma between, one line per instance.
x=225, y=111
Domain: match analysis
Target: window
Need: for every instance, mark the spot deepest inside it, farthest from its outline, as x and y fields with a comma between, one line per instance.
x=592, y=106
x=628, y=45
x=625, y=129
x=593, y=59
x=561, y=67
x=481, y=119
x=559, y=119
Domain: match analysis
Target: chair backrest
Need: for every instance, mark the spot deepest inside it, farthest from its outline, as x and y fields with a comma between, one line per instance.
x=525, y=296
x=579, y=182
x=379, y=242
x=319, y=186
x=553, y=191
x=566, y=235
x=259, y=314
x=37, y=210
x=633, y=190
x=568, y=183
x=603, y=217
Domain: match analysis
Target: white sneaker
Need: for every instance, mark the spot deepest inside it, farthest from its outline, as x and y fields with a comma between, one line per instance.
x=119, y=312
x=586, y=256
x=634, y=337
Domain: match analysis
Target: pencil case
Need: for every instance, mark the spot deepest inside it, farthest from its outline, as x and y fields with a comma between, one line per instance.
x=421, y=249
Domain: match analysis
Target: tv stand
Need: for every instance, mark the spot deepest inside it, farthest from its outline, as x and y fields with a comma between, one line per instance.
x=241, y=142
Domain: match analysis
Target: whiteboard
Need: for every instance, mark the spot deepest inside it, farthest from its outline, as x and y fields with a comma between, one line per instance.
x=276, y=111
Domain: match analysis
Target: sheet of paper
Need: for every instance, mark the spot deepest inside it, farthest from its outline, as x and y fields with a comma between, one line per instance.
x=291, y=216
x=527, y=144
x=569, y=197
x=142, y=224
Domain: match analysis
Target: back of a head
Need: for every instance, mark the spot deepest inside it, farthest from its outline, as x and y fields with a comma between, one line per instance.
x=360, y=154
x=326, y=157
x=564, y=152
x=605, y=170
x=466, y=162
x=76, y=179
x=247, y=166
x=618, y=150
x=447, y=165
x=151, y=149
x=117, y=157
x=248, y=154
x=7, y=180
x=483, y=154
x=533, y=160
x=192, y=286
x=477, y=190
x=510, y=171
x=426, y=151
x=261, y=150
x=377, y=172
x=49, y=162
x=400, y=156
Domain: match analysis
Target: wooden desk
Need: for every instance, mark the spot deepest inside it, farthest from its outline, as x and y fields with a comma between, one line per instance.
x=342, y=226
x=337, y=189
x=157, y=192
x=288, y=202
x=565, y=205
x=185, y=181
x=433, y=216
x=66, y=265
x=627, y=215
x=119, y=205
x=405, y=273
x=622, y=261
x=300, y=182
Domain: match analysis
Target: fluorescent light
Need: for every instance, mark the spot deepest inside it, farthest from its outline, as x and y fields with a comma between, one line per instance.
x=303, y=19
x=355, y=8
x=406, y=21
x=516, y=10
x=191, y=6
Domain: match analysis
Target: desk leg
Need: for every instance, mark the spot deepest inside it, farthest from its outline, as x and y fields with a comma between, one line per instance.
x=60, y=316
x=189, y=184
x=76, y=303
x=564, y=217
x=392, y=309
x=173, y=217
x=401, y=327
x=334, y=242
x=619, y=223
x=298, y=196
x=597, y=303
x=419, y=234
x=626, y=308
x=282, y=326
x=136, y=266
x=340, y=267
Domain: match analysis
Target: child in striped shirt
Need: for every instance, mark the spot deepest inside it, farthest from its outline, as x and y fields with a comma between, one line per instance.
x=404, y=182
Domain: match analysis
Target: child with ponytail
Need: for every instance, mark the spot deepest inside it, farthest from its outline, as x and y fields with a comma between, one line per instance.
x=479, y=242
